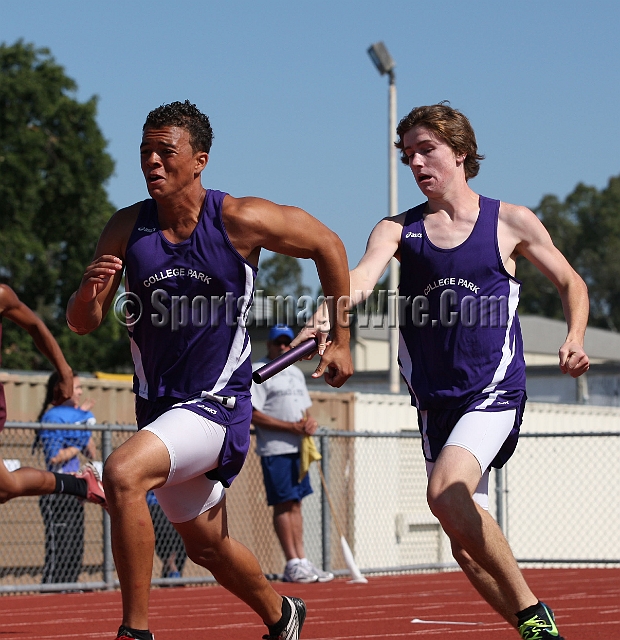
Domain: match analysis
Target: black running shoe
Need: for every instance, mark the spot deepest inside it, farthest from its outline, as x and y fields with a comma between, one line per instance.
x=125, y=634
x=540, y=626
x=295, y=623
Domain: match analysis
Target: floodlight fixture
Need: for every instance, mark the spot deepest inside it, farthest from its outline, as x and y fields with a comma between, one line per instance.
x=381, y=58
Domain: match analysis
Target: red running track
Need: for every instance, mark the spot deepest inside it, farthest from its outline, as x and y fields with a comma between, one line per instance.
x=586, y=603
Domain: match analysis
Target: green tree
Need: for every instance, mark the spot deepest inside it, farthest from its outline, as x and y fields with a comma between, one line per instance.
x=279, y=287
x=53, y=204
x=281, y=275
x=586, y=228
x=599, y=255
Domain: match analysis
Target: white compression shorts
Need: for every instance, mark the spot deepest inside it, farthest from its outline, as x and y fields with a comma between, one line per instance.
x=194, y=444
x=482, y=434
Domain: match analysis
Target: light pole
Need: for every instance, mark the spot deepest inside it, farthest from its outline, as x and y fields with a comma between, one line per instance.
x=385, y=64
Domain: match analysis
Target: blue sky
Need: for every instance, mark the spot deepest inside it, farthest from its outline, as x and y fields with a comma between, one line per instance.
x=300, y=113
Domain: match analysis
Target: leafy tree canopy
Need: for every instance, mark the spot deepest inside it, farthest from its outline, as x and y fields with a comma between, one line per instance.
x=586, y=229
x=281, y=275
x=280, y=281
x=53, y=204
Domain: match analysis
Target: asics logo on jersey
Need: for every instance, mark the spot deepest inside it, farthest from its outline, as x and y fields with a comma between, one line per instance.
x=209, y=409
x=147, y=229
x=410, y=234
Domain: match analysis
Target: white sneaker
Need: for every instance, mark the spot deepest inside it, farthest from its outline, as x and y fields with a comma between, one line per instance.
x=299, y=573
x=324, y=576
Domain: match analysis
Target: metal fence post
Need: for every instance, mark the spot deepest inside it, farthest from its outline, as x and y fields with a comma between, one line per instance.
x=108, y=561
x=326, y=521
x=499, y=499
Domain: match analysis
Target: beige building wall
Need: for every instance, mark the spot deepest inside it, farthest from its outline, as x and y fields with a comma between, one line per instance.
x=25, y=393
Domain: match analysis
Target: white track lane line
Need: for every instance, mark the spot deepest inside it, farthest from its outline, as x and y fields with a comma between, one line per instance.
x=418, y=621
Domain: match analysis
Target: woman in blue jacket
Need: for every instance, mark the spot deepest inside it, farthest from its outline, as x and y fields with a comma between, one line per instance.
x=63, y=514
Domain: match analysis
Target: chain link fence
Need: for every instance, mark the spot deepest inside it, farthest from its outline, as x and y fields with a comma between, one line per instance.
x=556, y=500
x=561, y=499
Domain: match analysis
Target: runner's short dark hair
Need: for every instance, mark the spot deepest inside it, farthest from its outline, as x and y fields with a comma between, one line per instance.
x=185, y=115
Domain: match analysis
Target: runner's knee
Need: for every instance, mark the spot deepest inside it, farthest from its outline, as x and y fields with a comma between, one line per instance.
x=447, y=502
x=121, y=476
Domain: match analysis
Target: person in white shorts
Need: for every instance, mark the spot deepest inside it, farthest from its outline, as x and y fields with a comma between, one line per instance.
x=190, y=256
x=461, y=350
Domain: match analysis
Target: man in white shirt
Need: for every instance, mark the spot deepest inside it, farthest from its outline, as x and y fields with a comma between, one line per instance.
x=280, y=414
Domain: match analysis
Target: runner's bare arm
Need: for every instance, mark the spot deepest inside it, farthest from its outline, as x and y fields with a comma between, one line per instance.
x=383, y=244
x=88, y=306
x=533, y=242
x=12, y=308
x=253, y=223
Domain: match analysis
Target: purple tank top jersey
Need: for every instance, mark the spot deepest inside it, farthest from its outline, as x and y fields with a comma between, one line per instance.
x=190, y=342
x=195, y=297
x=459, y=335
